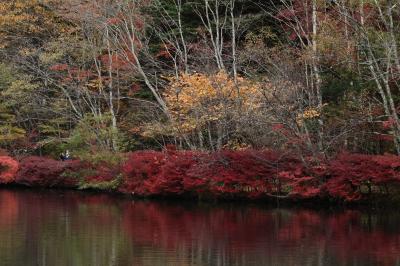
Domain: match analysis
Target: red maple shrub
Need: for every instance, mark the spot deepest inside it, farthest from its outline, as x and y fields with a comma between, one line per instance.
x=227, y=173
x=46, y=172
x=224, y=174
x=101, y=172
x=99, y=176
x=304, y=187
x=8, y=169
x=170, y=180
x=354, y=177
x=245, y=174
x=305, y=181
x=138, y=169
x=258, y=174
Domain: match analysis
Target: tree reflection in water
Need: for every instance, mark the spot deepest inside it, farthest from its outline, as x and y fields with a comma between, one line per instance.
x=70, y=228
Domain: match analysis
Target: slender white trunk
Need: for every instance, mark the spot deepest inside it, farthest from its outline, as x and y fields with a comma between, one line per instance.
x=234, y=58
x=317, y=76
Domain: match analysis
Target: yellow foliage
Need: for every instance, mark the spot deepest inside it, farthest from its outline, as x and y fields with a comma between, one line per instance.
x=309, y=113
x=10, y=133
x=236, y=145
x=21, y=17
x=195, y=100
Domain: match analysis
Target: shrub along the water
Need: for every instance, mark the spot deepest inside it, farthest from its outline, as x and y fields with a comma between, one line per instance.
x=8, y=169
x=245, y=174
x=45, y=172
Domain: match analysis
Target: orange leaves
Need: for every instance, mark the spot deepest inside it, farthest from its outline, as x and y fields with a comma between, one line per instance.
x=197, y=99
x=24, y=16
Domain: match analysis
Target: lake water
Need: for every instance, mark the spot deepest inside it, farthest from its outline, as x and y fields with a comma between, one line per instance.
x=57, y=228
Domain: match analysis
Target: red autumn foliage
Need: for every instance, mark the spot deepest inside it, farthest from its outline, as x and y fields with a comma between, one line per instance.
x=259, y=174
x=59, y=67
x=103, y=172
x=247, y=173
x=135, y=88
x=116, y=61
x=113, y=21
x=77, y=74
x=241, y=173
x=225, y=174
x=305, y=187
x=140, y=167
x=45, y=172
x=278, y=127
x=388, y=123
x=298, y=15
x=355, y=176
x=170, y=180
x=8, y=169
x=166, y=52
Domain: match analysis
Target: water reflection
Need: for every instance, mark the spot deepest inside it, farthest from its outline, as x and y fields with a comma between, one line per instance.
x=69, y=228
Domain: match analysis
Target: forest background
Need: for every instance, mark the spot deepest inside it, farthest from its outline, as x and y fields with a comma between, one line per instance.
x=102, y=78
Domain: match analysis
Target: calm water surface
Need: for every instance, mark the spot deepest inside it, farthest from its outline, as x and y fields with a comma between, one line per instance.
x=59, y=228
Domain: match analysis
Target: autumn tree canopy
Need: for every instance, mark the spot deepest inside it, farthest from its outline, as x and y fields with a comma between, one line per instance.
x=312, y=77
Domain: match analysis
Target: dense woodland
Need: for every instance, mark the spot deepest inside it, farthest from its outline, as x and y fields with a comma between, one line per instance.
x=270, y=82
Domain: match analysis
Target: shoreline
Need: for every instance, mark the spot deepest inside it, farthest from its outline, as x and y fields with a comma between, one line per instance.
x=225, y=176
x=313, y=204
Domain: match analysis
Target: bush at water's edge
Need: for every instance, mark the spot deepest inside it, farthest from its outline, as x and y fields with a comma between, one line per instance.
x=8, y=169
x=246, y=174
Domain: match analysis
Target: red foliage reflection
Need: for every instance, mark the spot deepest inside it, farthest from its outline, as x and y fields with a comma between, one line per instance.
x=8, y=209
x=346, y=235
x=285, y=236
